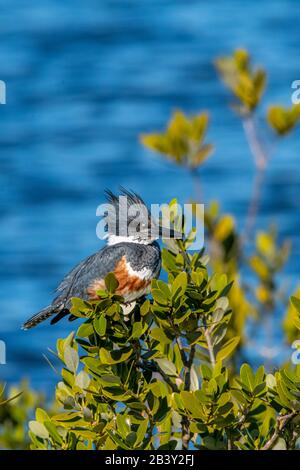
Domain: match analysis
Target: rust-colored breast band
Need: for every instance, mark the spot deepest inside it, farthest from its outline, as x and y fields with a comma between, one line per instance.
x=127, y=283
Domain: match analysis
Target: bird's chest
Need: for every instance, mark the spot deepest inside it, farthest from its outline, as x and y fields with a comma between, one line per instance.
x=134, y=281
x=134, y=275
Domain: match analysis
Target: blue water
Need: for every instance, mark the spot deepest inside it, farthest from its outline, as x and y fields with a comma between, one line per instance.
x=84, y=78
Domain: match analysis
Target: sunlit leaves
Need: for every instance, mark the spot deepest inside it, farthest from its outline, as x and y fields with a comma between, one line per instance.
x=224, y=227
x=283, y=120
x=71, y=358
x=111, y=282
x=296, y=303
x=183, y=141
x=287, y=390
x=82, y=380
x=268, y=260
x=291, y=323
x=167, y=366
x=228, y=348
x=38, y=429
x=246, y=83
x=115, y=356
x=100, y=325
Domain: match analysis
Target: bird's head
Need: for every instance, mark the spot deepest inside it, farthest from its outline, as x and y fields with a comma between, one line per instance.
x=129, y=220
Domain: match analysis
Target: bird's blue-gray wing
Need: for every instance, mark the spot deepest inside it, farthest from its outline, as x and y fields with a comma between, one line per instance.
x=96, y=266
x=75, y=284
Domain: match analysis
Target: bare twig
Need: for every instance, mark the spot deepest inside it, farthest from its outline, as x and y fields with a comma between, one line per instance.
x=281, y=423
x=210, y=347
x=255, y=202
x=186, y=434
x=155, y=367
x=261, y=158
x=187, y=378
x=182, y=352
x=258, y=151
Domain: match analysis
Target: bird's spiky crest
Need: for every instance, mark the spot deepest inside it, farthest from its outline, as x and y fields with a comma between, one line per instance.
x=120, y=213
x=132, y=197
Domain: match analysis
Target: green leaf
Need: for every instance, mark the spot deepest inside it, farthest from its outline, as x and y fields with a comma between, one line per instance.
x=191, y=403
x=71, y=417
x=87, y=414
x=85, y=330
x=155, y=142
x=226, y=289
x=282, y=119
x=8, y=400
x=137, y=330
x=38, y=429
x=247, y=377
x=170, y=445
x=115, y=356
x=271, y=381
x=265, y=244
x=228, y=348
x=111, y=283
x=118, y=441
x=280, y=444
x=136, y=405
x=41, y=415
x=123, y=425
x=296, y=303
x=179, y=285
x=100, y=324
x=259, y=376
x=71, y=358
x=285, y=395
x=159, y=297
x=167, y=366
x=53, y=432
x=79, y=307
x=82, y=380
x=145, y=308
x=259, y=389
x=194, y=379
x=162, y=286
x=110, y=379
x=160, y=335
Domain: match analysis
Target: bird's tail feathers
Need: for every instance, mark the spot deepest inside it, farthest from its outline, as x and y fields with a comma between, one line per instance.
x=41, y=316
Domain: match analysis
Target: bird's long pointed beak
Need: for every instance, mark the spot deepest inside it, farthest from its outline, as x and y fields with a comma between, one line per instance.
x=169, y=233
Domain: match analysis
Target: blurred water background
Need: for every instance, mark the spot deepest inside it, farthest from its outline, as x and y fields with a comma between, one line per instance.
x=84, y=78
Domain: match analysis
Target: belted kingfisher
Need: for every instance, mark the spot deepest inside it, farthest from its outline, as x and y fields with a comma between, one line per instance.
x=133, y=255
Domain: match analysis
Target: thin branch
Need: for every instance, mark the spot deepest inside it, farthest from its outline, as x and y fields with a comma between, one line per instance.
x=281, y=423
x=155, y=367
x=261, y=158
x=186, y=433
x=210, y=347
x=187, y=378
x=182, y=353
x=254, y=203
x=256, y=147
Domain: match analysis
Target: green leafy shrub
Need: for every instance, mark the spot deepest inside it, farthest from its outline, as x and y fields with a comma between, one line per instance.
x=246, y=83
x=160, y=377
x=17, y=406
